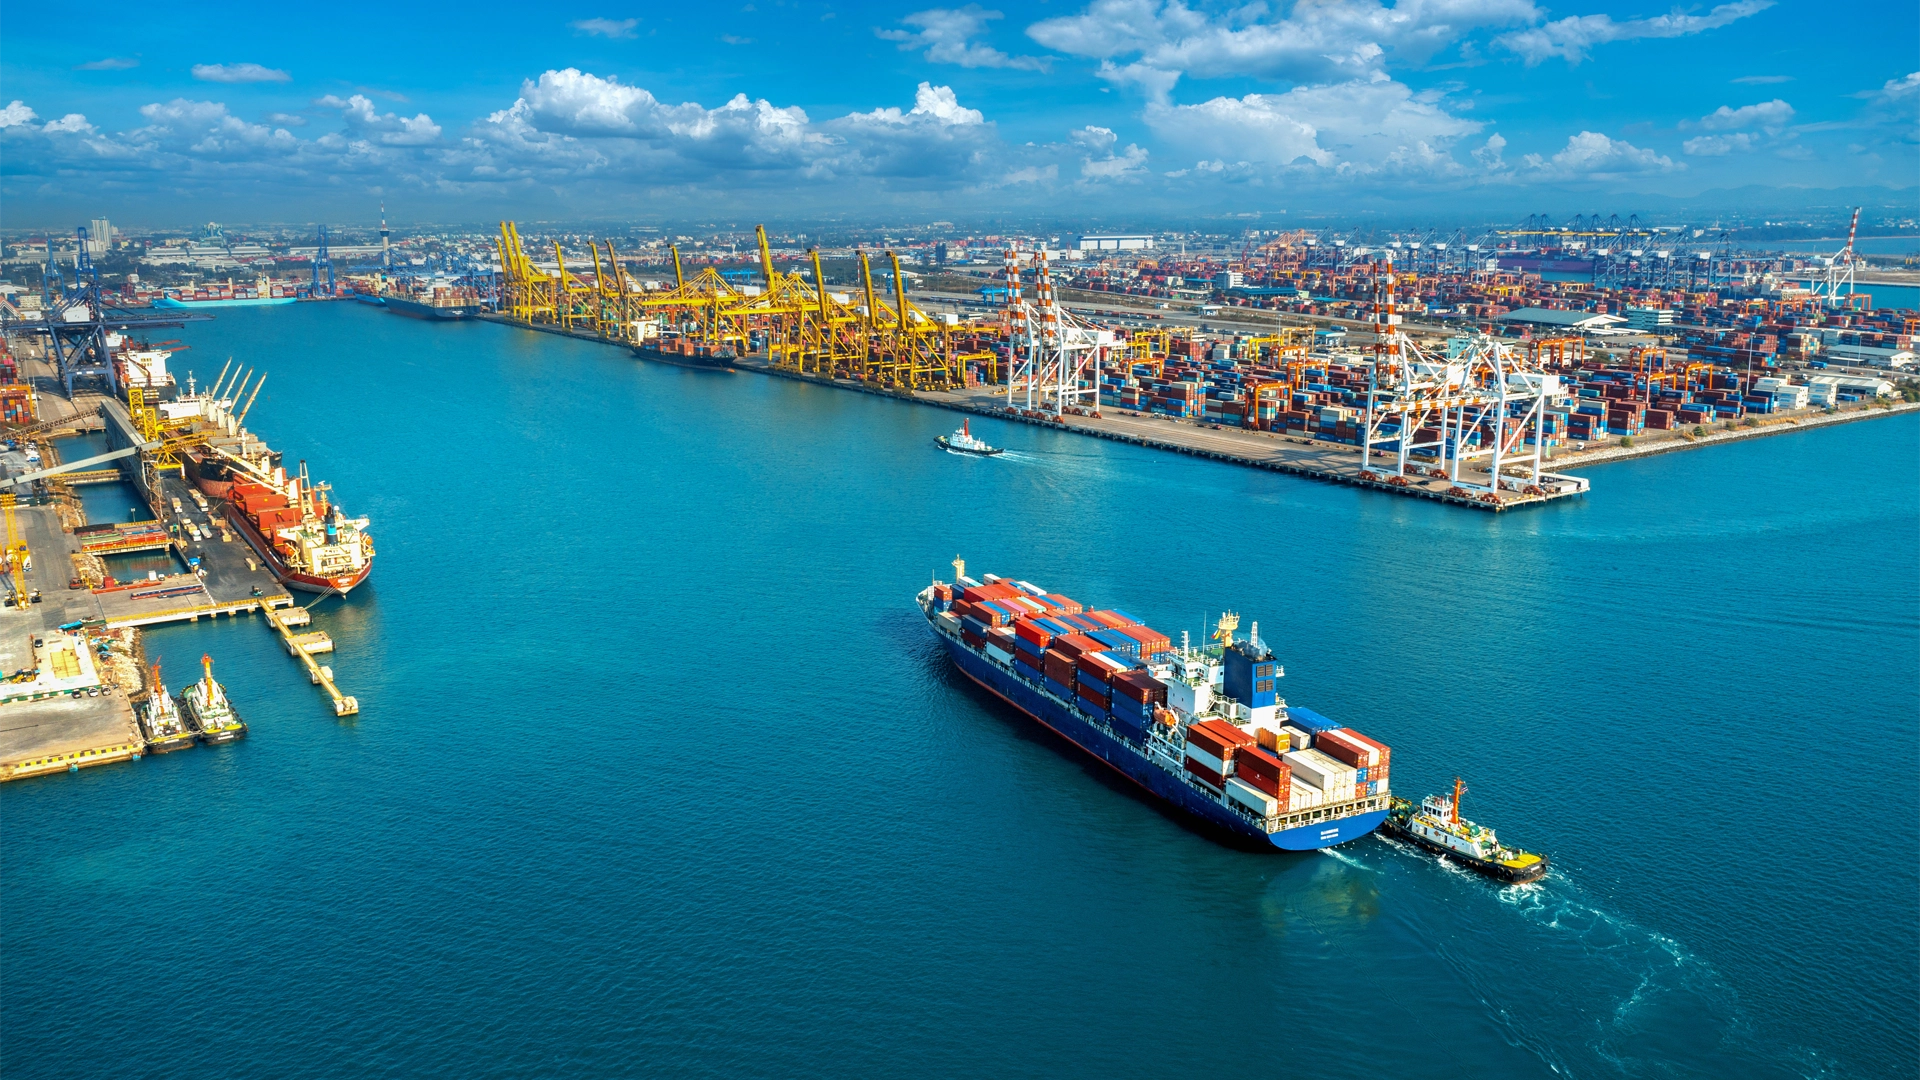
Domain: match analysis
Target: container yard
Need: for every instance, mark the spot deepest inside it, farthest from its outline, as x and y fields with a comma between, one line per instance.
x=1466, y=380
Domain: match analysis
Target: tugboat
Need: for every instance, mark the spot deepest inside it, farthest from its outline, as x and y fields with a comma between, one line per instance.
x=160, y=718
x=1437, y=826
x=208, y=709
x=963, y=442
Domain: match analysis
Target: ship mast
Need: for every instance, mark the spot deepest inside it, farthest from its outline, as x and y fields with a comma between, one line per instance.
x=206, y=689
x=1459, y=789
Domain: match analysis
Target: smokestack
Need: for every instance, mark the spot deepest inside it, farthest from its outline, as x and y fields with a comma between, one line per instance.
x=386, y=249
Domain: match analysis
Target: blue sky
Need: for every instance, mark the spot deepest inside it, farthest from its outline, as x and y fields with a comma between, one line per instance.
x=461, y=112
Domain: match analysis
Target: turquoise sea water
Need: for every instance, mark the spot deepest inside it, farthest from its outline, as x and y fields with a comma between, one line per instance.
x=659, y=772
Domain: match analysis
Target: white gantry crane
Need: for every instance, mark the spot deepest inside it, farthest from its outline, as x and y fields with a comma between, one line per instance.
x=1840, y=268
x=1053, y=359
x=1472, y=410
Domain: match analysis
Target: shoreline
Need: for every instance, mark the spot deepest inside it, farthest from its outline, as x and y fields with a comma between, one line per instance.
x=1339, y=463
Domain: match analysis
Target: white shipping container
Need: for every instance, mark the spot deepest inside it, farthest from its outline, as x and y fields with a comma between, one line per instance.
x=1301, y=740
x=1321, y=771
x=1304, y=796
x=999, y=654
x=1252, y=797
x=1206, y=759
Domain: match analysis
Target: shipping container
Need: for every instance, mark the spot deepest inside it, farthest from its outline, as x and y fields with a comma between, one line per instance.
x=1262, y=803
x=1326, y=773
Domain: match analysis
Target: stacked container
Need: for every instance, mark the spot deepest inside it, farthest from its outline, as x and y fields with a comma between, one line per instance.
x=1334, y=779
x=1211, y=745
x=1370, y=760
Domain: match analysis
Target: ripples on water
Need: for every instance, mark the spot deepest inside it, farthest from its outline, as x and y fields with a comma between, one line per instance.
x=659, y=772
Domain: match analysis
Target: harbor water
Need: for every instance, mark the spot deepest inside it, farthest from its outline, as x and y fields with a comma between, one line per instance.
x=658, y=770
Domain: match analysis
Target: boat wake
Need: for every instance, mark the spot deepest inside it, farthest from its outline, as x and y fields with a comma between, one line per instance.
x=1600, y=991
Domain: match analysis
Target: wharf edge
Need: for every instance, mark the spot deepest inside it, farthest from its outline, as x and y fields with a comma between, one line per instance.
x=1602, y=456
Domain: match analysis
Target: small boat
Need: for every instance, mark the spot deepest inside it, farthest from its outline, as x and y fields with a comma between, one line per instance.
x=963, y=442
x=1436, y=825
x=206, y=705
x=160, y=718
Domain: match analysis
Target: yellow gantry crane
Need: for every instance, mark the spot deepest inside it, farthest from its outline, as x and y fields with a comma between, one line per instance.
x=796, y=324
x=16, y=554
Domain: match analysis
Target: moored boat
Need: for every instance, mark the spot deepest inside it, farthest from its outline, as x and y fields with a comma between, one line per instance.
x=208, y=710
x=1202, y=729
x=1436, y=826
x=160, y=719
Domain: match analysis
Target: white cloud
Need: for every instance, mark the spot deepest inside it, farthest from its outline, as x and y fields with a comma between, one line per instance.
x=1762, y=80
x=1771, y=115
x=384, y=128
x=935, y=103
x=1489, y=155
x=606, y=28
x=238, y=73
x=1154, y=42
x=1593, y=156
x=1898, y=94
x=1718, y=145
x=17, y=115
x=1103, y=161
x=948, y=33
x=111, y=63
x=1575, y=36
x=571, y=122
x=70, y=124
x=1354, y=127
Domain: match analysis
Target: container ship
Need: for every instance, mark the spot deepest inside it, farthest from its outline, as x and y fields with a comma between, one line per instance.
x=264, y=292
x=1201, y=728
x=436, y=300
x=290, y=521
x=685, y=352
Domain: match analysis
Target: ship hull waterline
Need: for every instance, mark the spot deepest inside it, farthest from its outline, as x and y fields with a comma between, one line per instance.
x=251, y=301
x=1134, y=766
x=697, y=363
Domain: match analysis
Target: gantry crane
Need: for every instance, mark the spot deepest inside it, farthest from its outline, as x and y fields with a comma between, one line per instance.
x=16, y=554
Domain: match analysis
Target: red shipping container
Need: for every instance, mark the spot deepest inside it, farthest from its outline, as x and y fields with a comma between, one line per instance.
x=1141, y=687
x=1075, y=644
x=1058, y=666
x=1262, y=770
x=1065, y=605
x=1096, y=702
x=1205, y=773
x=1035, y=635
x=1100, y=666
x=1108, y=619
x=967, y=637
x=1223, y=734
x=995, y=591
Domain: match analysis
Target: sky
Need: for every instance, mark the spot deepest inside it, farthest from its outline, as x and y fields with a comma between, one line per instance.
x=1107, y=109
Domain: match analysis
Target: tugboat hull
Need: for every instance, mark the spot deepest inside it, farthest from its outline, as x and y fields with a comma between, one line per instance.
x=1512, y=875
x=945, y=444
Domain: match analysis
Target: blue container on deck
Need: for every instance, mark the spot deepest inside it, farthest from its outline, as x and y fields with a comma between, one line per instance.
x=1308, y=720
x=1115, y=641
x=1031, y=671
x=1023, y=647
x=1128, y=727
x=1130, y=619
x=1060, y=689
x=974, y=626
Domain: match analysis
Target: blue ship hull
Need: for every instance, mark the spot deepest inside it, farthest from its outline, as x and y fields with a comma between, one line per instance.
x=1133, y=763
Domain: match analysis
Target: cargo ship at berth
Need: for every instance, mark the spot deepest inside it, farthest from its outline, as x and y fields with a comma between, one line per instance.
x=685, y=352
x=1201, y=728
x=290, y=521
